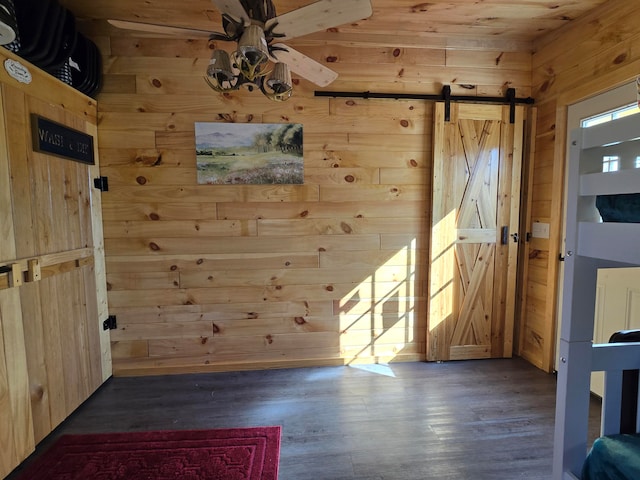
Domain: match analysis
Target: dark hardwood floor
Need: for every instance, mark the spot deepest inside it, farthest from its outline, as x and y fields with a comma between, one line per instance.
x=488, y=419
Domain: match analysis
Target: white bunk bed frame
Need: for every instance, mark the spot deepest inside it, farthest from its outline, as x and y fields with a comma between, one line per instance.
x=590, y=245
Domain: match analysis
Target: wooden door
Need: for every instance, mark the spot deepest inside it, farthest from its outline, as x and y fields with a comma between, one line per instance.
x=53, y=350
x=16, y=424
x=476, y=197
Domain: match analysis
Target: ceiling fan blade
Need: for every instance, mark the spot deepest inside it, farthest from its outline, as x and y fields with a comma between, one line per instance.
x=304, y=66
x=233, y=8
x=162, y=29
x=320, y=16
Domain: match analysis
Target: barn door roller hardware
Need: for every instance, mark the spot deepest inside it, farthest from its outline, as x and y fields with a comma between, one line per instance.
x=446, y=97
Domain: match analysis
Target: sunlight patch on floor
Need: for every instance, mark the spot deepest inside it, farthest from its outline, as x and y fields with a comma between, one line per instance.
x=378, y=368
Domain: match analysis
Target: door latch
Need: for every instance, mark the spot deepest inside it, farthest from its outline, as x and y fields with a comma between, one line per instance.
x=505, y=235
x=515, y=237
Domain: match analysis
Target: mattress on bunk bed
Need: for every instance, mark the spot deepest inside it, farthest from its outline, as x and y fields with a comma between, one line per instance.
x=613, y=457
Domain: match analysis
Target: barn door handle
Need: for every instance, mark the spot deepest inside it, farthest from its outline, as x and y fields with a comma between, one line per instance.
x=505, y=235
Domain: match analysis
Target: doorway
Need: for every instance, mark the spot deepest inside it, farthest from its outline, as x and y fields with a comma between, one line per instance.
x=474, y=231
x=609, y=101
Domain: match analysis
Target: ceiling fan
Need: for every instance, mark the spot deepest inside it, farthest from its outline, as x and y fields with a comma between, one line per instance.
x=259, y=62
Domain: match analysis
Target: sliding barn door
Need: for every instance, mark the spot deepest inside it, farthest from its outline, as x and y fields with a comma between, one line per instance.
x=474, y=246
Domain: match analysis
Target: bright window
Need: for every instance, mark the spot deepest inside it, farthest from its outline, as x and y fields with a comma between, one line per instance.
x=612, y=115
x=610, y=163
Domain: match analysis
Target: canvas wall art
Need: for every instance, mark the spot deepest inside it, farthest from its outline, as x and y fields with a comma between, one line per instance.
x=247, y=153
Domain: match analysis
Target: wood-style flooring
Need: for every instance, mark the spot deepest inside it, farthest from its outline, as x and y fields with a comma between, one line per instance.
x=488, y=419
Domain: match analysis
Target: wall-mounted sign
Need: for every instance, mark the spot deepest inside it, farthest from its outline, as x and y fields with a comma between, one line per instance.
x=17, y=71
x=61, y=141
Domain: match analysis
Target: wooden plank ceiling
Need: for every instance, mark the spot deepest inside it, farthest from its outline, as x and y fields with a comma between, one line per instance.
x=509, y=24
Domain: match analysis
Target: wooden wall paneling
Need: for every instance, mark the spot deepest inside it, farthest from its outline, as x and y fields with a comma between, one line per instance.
x=421, y=39
x=526, y=226
x=224, y=312
x=181, y=228
x=594, y=84
x=210, y=262
x=498, y=59
x=311, y=210
x=217, y=107
x=340, y=226
x=354, y=73
x=148, y=176
x=245, y=294
x=239, y=245
x=555, y=242
x=132, y=138
x=118, y=84
x=595, y=53
x=256, y=261
x=144, y=157
x=363, y=108
x=192, y=193
x=337, y=193
x=451, y=20
x=587, y=36
x=132, y=46
x=123, y=350
x=296, y=276
x=154, y=211
x=602, y=54
x=515, y=204
x=598, y=70
x=368, y=158
x=535, y=343
x=163, y=121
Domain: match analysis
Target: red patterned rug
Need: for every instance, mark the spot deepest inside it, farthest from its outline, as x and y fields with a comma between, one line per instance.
x=231, y=454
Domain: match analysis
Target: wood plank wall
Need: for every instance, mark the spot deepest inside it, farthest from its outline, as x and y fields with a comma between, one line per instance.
x=591, y=55
x=334, y=271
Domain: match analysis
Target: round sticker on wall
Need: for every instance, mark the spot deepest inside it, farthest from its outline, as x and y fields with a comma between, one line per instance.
x=17, y=71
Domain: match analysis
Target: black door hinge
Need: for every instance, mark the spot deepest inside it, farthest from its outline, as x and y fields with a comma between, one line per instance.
x=101, y=183
x=110, y=323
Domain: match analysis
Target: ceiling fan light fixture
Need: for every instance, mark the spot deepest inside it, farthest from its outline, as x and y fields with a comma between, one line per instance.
x=220, y=76
x=279, y=84
x=219, y=70
x=254, y=25
x=252, y=53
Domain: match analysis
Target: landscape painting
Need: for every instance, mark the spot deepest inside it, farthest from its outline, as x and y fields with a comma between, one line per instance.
x=248, y=153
